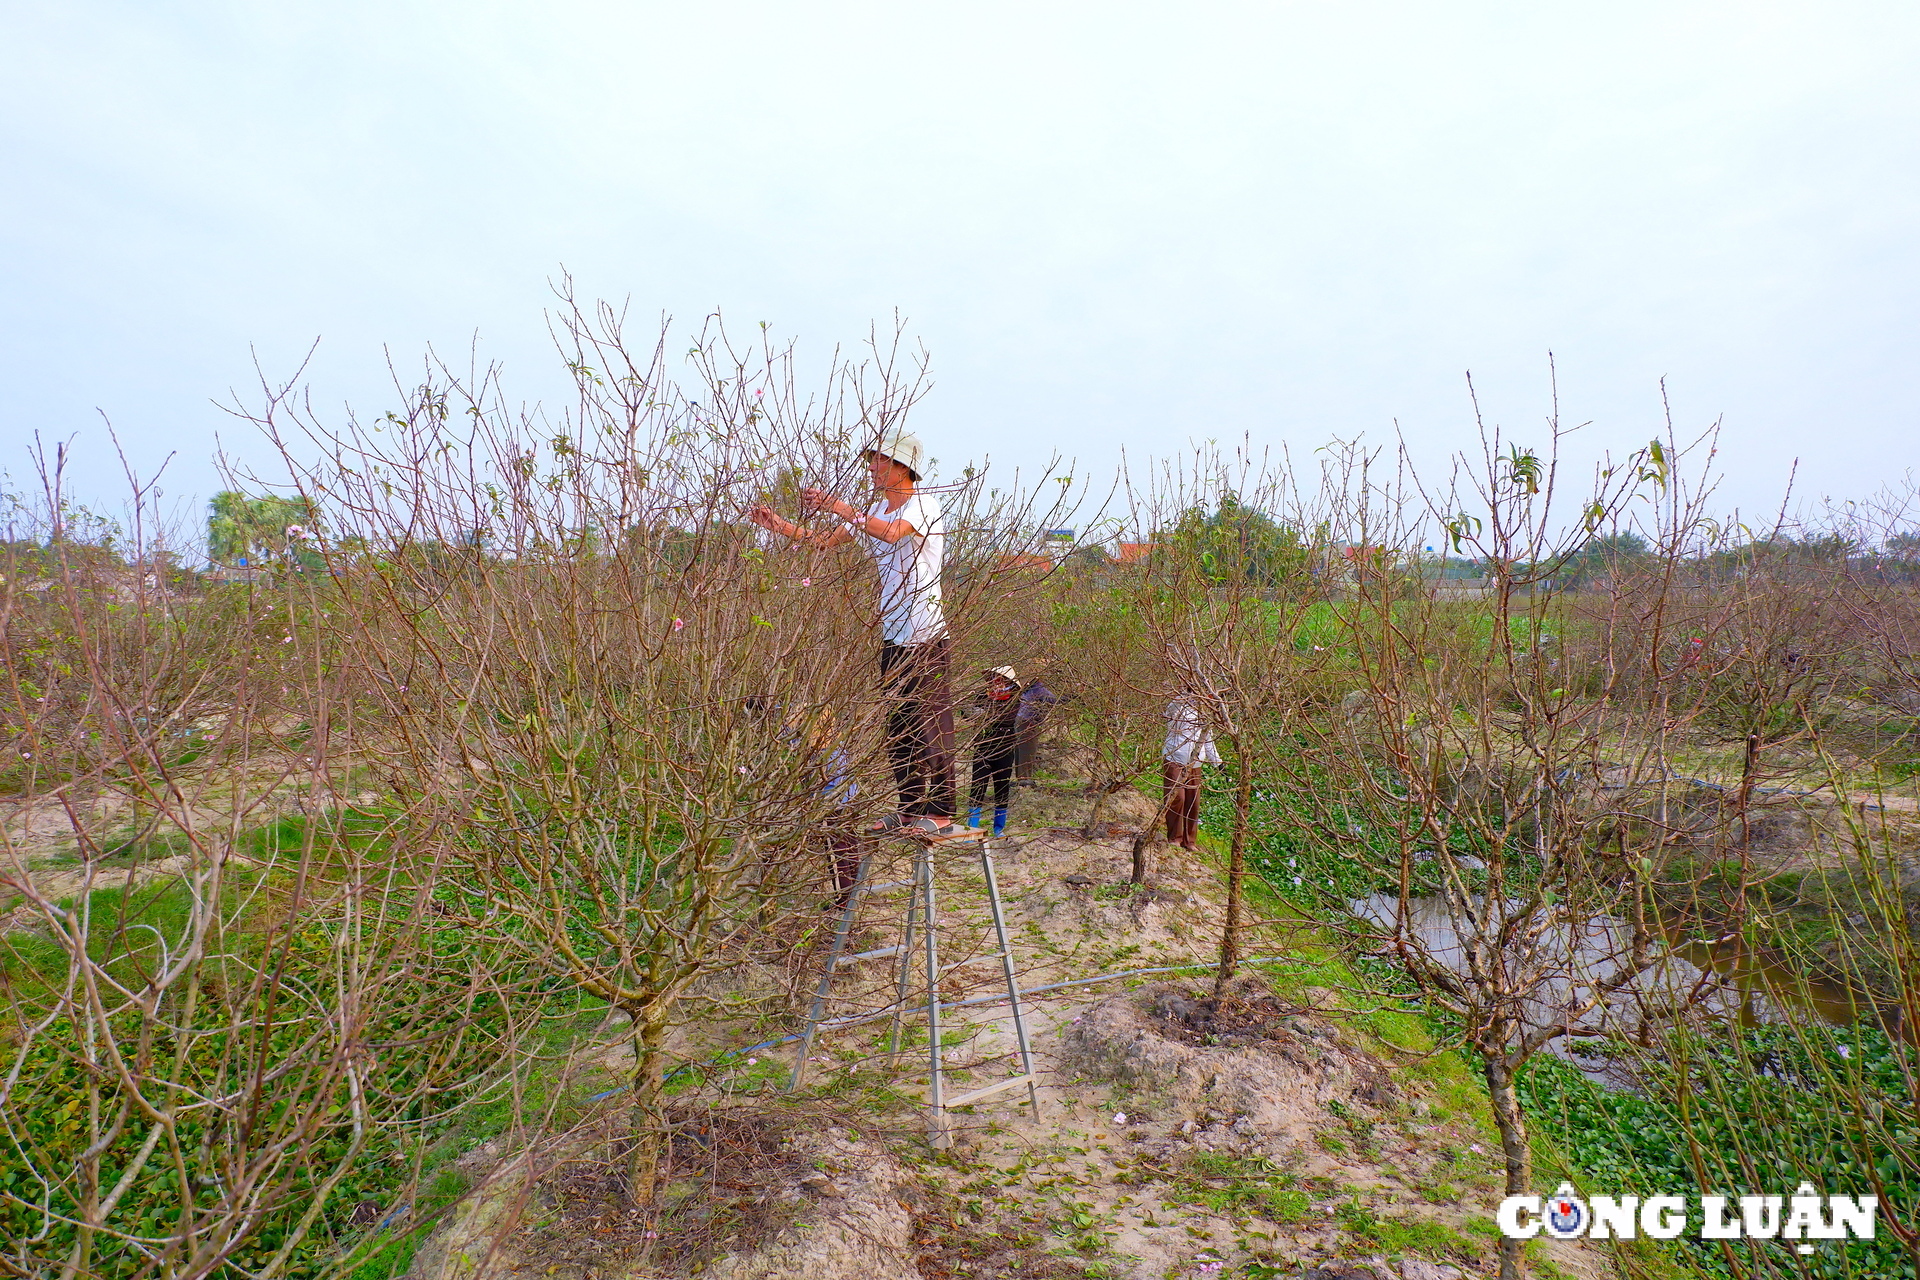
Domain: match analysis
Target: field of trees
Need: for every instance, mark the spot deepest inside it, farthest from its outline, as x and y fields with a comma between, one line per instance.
x=462, y=751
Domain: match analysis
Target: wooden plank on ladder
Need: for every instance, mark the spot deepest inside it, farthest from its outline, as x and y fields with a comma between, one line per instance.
x=1025, y=1077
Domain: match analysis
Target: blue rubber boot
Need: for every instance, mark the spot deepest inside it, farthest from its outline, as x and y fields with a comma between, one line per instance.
x=973, y=816
x=1000, y=821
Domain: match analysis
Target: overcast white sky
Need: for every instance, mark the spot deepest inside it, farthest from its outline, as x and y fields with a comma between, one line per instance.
x=1113, y=224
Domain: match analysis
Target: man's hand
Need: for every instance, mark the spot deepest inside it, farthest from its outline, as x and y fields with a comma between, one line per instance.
x=821, y=500
x=767, y=518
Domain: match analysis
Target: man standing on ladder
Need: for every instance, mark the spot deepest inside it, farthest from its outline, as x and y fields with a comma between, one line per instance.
x=905, y=532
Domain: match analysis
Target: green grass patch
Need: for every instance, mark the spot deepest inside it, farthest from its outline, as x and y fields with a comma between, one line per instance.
x=1235, y=1184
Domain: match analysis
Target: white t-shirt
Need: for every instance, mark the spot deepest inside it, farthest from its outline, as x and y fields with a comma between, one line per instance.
x=1189, y=741
x=910, y=571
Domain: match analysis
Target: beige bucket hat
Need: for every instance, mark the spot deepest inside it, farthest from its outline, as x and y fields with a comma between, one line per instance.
x=1005, y=673
x=904, y=448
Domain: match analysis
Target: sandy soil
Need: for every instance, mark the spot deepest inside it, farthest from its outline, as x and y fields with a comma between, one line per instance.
x=1240, y=1160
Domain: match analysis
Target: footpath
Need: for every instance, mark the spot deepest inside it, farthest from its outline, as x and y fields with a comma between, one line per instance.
x=1280, y=1132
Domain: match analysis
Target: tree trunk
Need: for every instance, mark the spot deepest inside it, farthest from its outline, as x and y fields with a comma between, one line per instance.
x=1512, y=1121
x=1146, y=835
x=1091, y=830
x=649, y=1122
x=1236, y=875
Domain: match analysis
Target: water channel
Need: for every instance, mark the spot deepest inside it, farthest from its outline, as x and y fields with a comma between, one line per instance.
x=1688, y=979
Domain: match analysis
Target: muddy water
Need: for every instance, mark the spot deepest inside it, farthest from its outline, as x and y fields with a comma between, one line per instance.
x=1565, y=963
x=1767, y=985
x=1688, y=978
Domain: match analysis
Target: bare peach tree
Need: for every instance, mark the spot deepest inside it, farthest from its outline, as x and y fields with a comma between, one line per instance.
x=1114, y=681
x=1460, y=797
x=1221, y=597
x=617, y=716
x=223, y=1029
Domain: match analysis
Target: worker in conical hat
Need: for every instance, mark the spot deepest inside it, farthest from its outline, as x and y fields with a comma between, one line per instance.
x=1013, y=712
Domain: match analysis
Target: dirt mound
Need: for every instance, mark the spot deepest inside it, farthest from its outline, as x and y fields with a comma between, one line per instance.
x=1237, y=1018
x=856, y=1224
x=745, y=1200
x=1272, y=1066
x=730, y=1182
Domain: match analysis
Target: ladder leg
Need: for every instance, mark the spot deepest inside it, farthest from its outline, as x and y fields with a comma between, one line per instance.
x=904, y=985
x=826, y=979
x=1013, y=981
x=936, y=1110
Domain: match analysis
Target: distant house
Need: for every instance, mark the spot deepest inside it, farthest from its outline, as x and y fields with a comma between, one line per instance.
x=1132, y=552
x=1461, y=588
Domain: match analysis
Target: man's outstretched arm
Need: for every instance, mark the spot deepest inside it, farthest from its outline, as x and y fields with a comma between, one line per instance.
x=767, y=518
x=873, y=526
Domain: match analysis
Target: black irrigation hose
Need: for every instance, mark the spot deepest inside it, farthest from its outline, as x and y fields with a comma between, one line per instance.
x=835, y=1024
x=857, y=1020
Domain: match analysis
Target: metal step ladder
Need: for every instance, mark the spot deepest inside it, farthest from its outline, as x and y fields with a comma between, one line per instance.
x=923, y=926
